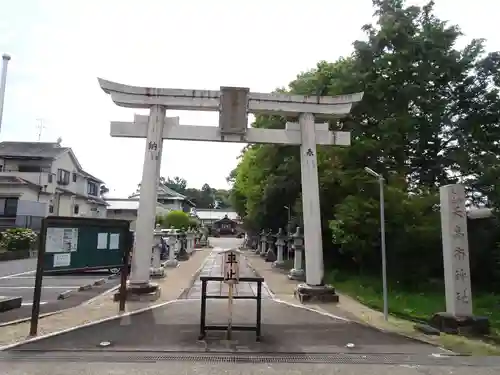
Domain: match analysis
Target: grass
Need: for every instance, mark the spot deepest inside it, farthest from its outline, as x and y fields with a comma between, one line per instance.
x=417, y=306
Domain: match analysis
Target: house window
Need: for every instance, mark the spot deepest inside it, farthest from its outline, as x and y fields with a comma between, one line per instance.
x=76, y=209
x=10, y=207
x=51, y=209
x=49, y=178
x=74, y=177
x=92, y=189
x=63, y=177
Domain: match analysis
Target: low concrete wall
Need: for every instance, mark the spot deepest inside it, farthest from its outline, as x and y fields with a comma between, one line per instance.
x=13, y=255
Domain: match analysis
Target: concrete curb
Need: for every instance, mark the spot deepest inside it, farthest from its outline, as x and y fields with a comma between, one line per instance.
x=10, y=303
x=68, y=293
x=64, y=295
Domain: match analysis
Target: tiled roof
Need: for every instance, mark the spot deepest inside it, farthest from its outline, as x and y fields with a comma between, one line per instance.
x=13, y=180
x=122, y=204
x=164, y=192
x=37, y=150
x=129, y=204
x=31, y=149
x=215, y=214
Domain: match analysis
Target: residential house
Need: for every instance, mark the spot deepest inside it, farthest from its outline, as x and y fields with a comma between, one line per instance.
x=39, y=179
x=127, y=209
x=170, y=199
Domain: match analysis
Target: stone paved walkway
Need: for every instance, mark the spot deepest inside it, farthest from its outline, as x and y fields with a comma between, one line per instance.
x=214, y=267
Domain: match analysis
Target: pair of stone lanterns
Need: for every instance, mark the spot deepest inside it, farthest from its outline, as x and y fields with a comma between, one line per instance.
x=272, y=247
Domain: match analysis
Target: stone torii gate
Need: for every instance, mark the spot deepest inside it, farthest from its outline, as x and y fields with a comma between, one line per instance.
x=233, y=105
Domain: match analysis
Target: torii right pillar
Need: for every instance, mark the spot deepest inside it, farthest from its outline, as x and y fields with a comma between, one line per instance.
x=314, y=289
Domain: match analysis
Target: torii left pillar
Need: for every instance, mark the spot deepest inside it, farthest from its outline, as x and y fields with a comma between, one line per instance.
x=139, y=282
x=233, y=105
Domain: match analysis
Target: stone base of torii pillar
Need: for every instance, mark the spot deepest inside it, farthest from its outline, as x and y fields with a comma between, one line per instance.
x=316, y=293
x=149, y=292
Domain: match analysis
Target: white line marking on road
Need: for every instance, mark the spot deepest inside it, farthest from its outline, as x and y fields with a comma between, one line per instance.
x=43, y=287
x=49, y=277
x=31, y=303
x=16, y=274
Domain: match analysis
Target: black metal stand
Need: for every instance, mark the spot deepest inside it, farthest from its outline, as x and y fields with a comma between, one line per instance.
x=204, y=327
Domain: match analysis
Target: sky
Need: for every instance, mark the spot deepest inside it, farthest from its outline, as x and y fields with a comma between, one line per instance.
x=60, y=47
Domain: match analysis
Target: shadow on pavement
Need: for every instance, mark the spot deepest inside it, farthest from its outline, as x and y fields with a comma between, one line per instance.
x=285, y=329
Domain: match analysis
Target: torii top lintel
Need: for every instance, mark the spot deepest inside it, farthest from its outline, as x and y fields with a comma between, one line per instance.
x=209, y=100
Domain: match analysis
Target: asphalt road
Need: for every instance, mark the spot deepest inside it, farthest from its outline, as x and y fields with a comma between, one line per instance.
x=17, y=279
x=17, y=266
x=152, y=367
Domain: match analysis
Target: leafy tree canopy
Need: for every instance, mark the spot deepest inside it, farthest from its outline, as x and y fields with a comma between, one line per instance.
x=429, y=117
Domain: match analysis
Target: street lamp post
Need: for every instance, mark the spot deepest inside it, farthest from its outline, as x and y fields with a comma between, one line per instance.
x=289, y=214
x=382, y=239
x=288, y=227
x=3, y=83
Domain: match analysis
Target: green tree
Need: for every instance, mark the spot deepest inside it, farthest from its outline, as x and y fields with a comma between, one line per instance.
x=177, y=219
x=178, y=184
x=103, y=190
x=429, y=117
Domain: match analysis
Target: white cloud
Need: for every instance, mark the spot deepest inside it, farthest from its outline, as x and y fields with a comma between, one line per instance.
x=59, y=48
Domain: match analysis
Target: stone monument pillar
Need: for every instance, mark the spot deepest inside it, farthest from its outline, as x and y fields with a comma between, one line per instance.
x=459, y=315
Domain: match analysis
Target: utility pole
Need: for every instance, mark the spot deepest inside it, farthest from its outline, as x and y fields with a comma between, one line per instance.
x=3, y=83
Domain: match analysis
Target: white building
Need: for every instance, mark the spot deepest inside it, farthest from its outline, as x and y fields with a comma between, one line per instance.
x=39, y=179
x=209, y=216
x=127, y=208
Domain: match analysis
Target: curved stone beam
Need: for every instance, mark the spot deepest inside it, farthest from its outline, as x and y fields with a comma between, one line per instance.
x=209, y=100
x=145, y=97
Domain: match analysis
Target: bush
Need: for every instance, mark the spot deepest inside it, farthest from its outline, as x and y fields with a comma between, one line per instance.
x=177, y=220
x=193, y=223
x=16, y=239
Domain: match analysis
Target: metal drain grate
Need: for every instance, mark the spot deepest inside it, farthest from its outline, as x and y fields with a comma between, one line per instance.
x=219, y=357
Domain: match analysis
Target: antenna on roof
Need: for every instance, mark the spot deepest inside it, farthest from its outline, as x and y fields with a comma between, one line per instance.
x=59, y=140
x=40, y=128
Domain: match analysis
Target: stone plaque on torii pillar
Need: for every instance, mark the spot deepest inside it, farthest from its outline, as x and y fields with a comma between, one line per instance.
x=233, y=105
